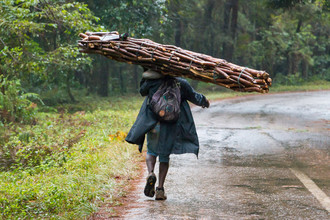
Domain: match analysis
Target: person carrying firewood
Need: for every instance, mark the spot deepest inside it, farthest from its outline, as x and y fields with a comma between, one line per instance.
x=170, y=129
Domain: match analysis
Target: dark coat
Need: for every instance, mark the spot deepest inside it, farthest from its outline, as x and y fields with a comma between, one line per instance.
x=174, y=138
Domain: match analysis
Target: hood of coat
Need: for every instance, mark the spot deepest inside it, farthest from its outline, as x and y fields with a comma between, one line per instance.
x=151, y=74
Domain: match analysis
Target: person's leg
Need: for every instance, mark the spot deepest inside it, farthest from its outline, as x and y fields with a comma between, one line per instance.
x=152, y=151
x=149, y=189
x=152, y=143
x=163, y=168
x=150, y=161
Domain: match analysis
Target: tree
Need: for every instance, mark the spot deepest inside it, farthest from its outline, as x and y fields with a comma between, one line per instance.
x=229, y=28
x=38, y=41
x=140, y=19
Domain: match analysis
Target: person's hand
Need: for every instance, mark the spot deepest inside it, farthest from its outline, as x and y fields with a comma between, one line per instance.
x=207, y=104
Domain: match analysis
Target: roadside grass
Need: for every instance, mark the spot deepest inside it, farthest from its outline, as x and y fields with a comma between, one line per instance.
x=307, y=86
x=68, y=164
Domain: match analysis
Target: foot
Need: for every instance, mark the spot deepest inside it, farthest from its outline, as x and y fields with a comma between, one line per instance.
x=149, y=189
x=160, y=194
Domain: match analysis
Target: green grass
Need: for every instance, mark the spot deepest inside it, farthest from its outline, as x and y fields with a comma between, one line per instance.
x=307, y=86
x=65, y=166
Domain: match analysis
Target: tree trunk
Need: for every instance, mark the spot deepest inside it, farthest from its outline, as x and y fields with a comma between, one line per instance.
x=178, y=32
x=121, y=80
x=305, y=69
x=136, y=80
x=104, y=79
x=114, y=78
x=299, y=26
x=208, y=28
x=54, y=39
x=225, y=26
x=90, y=83
x=68, y=89
x=2, y=88
x=293, y=63
x=234, y=16
x=231, y=9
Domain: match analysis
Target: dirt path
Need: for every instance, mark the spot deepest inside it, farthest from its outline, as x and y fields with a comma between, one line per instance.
x=251, y=149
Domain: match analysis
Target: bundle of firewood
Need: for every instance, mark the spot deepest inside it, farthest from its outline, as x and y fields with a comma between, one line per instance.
x=175, y=61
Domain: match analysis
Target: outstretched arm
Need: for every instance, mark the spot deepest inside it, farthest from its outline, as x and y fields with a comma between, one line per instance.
x=191, y=95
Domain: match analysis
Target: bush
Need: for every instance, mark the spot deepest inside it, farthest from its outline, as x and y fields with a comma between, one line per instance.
x=15, y=105
x=67, y=165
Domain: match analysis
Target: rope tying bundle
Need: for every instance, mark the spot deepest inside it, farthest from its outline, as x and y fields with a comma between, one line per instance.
x=173, y=54
x=137, y=53
x=239, y=84
x=214, y=75
x=152, y=55
x=192, y=61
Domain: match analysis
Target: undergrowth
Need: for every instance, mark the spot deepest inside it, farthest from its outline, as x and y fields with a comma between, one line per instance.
x=67, y=164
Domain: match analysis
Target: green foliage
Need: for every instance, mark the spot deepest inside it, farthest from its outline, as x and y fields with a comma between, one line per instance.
x=15, y=105
x=293, y=79
x=315, y=84
x=66, y=165
x=138, y=18
x=291, y=46
x=285, y=3
x=37, y=44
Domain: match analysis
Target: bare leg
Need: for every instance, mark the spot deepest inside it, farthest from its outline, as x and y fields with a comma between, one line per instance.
x=149, y=189
x=150, y=161
x=163, y=168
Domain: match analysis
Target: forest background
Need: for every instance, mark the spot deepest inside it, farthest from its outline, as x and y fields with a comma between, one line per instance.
x=54, y=125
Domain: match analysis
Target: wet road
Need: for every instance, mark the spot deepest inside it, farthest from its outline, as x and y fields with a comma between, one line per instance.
x=261, y=157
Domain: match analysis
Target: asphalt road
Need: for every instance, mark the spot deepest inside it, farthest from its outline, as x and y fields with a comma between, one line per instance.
x=261, y=157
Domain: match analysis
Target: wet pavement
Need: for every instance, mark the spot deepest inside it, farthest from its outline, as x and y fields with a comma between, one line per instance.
x=247, y=147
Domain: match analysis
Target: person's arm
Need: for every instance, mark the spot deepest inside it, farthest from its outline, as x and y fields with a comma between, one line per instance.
x=144, y=88
x=191, y=95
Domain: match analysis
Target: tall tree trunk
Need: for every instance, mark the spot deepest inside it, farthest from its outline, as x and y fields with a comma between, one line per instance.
x=208, y=28
x=234, y=16
x=174, y=8
x=90, y=83
x=121, y=80
x=136, y=80
x=225, y=28
x=299, y=26
x=178, y=32
x=288, y=60
x=2, y=88
x=203, y=36
x=293, y=63
x=68, y=89
x=305, y=69
x=54, y=39
x=231, y=9
x=104, y=78
x=294, y=57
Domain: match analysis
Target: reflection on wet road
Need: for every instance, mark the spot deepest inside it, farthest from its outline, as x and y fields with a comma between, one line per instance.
x=247, y=147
